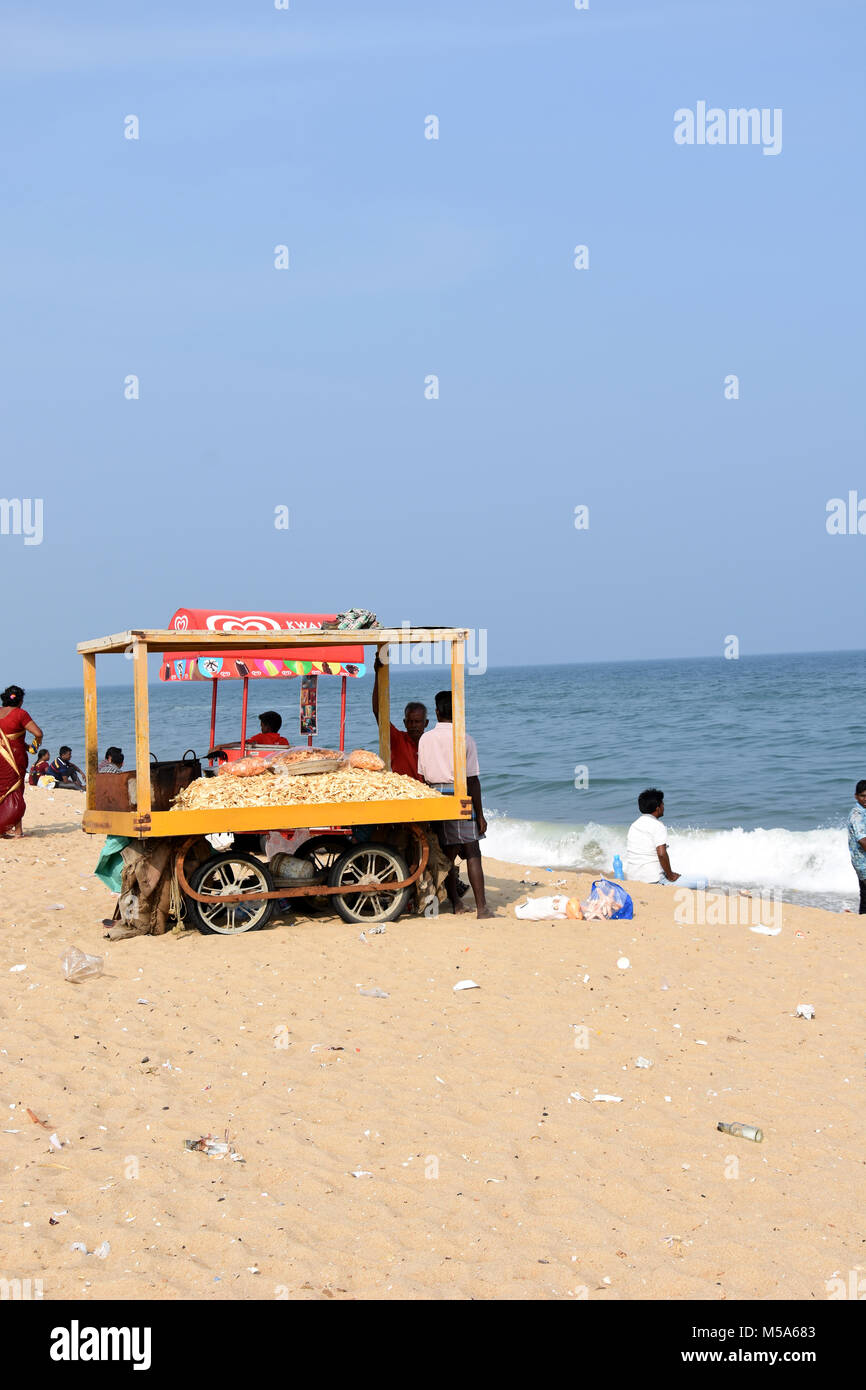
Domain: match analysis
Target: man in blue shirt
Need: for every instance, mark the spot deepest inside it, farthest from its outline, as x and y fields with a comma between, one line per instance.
x=857, y=840
x=64, y=771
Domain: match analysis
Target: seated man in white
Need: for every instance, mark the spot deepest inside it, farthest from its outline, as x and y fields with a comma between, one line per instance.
x=646, y=853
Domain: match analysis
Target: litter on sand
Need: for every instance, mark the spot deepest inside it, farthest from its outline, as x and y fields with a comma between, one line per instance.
x=465, y=984
x=615, y=1099
x=79, y=966
x=805, y=1011
x=217, y=1148
x=765, y=931
x=543, y=909
x=643, y=1062
x=374, y=993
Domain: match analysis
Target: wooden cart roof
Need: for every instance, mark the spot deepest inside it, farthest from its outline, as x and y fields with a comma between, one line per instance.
x=166, y=640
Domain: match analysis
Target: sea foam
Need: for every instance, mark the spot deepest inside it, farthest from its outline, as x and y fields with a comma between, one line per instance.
x=809, y=865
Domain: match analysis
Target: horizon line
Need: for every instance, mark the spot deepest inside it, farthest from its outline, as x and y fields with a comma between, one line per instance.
x=525, y=666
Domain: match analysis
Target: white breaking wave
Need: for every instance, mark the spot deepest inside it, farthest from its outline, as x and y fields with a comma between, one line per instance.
x=811, y=862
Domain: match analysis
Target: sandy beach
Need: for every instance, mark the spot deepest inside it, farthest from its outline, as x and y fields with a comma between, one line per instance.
x=427, y=1145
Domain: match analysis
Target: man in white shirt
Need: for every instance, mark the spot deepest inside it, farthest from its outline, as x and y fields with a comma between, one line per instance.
x=646, y=852
x=459, y=837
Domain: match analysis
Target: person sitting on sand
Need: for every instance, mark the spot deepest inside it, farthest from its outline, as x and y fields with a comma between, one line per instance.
x=40, y=767
x=64, y=772
x=459, y=837
x=404, y=745
x=857, y=840
x=646, y=855
x=270, y=723
x=113, y=760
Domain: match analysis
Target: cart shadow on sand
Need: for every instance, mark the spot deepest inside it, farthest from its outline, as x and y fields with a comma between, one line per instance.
x=42, y=832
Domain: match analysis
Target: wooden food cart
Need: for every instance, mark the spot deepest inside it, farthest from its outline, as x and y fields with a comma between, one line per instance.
x=231, y=891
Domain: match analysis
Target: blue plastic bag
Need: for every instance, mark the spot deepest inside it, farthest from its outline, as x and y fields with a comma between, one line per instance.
x=624, y=905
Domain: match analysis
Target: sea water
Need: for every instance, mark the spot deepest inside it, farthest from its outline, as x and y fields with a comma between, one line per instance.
x=757, y=757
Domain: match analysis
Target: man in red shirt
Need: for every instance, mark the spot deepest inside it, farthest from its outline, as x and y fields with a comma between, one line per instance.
x=404, y=746
x=271, y=723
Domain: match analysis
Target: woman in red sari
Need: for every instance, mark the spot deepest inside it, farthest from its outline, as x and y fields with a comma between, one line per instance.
x=14, y=723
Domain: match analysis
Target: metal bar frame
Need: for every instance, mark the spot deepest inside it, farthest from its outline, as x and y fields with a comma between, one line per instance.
x=213, y=710
x=343, y=683
x=384, y=706
x=307, y=890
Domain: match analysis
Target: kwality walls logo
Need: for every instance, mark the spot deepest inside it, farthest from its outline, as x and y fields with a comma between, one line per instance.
x=203, y=620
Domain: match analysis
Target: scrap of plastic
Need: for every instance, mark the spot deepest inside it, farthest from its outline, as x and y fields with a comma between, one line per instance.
x=215, y=1147
x=79, y=966
x=466, y=984
x=766, y=931
x=616, y=1099
x=643, y=1062
x=805, y=1011
x=221, y=839
x=374, y=993
x=542, y=909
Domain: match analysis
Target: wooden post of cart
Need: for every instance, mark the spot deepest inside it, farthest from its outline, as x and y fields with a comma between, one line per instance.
x=142, y=734
x=458, y=717
x=91, y=746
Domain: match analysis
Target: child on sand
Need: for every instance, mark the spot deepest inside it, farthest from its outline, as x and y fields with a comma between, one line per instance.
x=40, y=767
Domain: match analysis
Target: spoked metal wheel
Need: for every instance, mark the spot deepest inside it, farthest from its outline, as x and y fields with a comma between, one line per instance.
x=364, y=864
x=225, y=874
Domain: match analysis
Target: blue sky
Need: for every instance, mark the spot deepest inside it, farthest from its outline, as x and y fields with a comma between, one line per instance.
x=558, y=387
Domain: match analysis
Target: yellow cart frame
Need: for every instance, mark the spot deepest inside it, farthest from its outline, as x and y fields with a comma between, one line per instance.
x=144, y=823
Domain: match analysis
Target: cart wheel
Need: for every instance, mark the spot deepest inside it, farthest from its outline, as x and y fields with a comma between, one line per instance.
x=369, y=864
x=231, y=873
x=323, y=851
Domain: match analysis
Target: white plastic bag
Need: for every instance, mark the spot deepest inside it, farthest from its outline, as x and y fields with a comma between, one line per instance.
x=79, y=966
x=542, y=909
